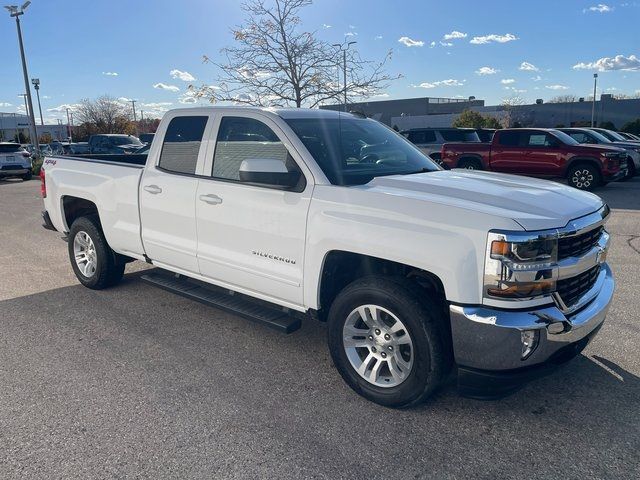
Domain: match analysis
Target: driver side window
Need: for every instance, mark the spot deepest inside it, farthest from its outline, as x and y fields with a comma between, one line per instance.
x=241, y=138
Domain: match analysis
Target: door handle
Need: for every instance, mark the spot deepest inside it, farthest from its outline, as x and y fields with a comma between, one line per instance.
x=153, y=189
x=211, y=199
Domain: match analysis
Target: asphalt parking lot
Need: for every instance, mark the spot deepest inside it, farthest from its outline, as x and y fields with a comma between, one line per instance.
x=137, y=382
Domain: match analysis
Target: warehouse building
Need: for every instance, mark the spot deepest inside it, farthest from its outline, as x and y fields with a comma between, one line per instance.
x=12, y=124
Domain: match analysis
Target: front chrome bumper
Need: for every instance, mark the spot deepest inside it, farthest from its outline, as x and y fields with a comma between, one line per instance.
x=489, y=339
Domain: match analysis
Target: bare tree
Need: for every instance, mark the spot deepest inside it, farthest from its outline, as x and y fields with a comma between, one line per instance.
x=275, y=64
x=563, y=99
x=104, y=115
x=511, y=116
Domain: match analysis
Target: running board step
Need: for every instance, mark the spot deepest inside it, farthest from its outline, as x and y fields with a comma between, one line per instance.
x=255, y=310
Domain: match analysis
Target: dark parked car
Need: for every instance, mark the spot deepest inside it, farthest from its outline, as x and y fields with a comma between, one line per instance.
x=430, y=140
x=113, y=143
x=485, y=134
x=630, y=136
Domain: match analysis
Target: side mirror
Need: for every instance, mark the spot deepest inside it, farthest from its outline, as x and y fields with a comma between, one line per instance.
x=269, y=172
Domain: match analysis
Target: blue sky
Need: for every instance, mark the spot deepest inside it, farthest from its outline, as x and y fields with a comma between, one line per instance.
x=442, y=48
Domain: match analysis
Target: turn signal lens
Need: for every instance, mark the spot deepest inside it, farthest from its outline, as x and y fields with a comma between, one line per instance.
x=500, y=248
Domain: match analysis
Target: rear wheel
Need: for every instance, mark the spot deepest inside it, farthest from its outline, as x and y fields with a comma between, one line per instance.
x=631, y=170
x=27, y=176
x=92, y=260
x=389, y=341
x=584, y=176
x=470, y=164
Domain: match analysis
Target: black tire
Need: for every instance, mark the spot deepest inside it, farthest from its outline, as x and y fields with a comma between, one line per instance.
x=26, y=177
x=109, y=267
x=425, y=322
x=470, y=164
x=584, y=176
x=631, y=170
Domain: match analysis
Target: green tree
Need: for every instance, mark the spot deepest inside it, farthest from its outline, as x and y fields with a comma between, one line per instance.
x=607, y=125
x=491, y=122
x=471, y=119
x=632, y=127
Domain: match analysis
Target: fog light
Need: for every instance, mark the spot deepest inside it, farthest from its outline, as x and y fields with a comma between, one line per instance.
x=529, y=340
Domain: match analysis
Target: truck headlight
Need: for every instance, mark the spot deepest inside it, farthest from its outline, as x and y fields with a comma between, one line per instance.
x=520, y=266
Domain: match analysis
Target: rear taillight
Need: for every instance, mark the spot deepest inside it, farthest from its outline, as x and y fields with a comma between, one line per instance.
x=43, y=184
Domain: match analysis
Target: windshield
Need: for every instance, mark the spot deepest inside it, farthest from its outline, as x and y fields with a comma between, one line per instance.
x=566, y=139
x=597, y=135
x=353, y=151
x=125, y=140
x=615, y=136
x=9, y=148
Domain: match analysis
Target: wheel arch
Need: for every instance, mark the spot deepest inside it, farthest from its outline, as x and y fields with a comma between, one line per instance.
x=470, y=156
x=75, y=207
x=580, y=160
x=342, y=267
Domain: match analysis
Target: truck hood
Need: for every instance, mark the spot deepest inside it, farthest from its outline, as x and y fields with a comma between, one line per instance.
x=534, y=204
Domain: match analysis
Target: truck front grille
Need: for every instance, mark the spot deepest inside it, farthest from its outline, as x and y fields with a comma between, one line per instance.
x=577, y=245
x=571, y=289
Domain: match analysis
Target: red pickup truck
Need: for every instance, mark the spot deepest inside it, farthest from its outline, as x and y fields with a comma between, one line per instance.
x=540, y=152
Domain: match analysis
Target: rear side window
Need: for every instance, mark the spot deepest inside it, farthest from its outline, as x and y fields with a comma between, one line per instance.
x=241, y=138
x=509, y=139
x=4, y=148
x=579, y=137
x=459, y=136
x=182, y=143
x=422, y=136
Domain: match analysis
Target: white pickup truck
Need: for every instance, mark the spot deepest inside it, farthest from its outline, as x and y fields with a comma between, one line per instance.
x=279, y=214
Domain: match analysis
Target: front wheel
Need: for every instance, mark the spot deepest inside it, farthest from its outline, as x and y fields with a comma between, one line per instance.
x=27, y=176
x=389, y=341
x=470, y=164
x=92, y=260
x=584, y=177
x=631, y=170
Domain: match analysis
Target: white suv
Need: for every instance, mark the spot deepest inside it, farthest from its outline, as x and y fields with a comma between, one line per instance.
x=15, y=161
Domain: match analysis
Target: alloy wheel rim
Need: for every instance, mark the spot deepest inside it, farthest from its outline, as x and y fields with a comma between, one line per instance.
x=582, y=178
x=378, y=346
x=85, y=255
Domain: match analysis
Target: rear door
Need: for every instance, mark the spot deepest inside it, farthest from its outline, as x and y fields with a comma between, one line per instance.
x=168, y=191
x=251, y=237
x=507, y=152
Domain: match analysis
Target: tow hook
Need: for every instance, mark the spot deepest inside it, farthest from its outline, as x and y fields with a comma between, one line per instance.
x=554, y=326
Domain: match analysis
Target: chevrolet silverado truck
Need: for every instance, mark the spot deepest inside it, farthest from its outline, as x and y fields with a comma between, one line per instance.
x=540, y=152
x=286, y=214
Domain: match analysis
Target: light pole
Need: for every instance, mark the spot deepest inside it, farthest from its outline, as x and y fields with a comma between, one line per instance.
x=141, y=121
x=14, y=11
x=593, y=104
x=344, y=47
x=36, y=85
x=69, y=127
x=133, y=105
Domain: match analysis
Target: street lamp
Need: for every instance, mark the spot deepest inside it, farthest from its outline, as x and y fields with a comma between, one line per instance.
x=36, y=85
x=344, y=47
x=15, y=12
x=593, y=104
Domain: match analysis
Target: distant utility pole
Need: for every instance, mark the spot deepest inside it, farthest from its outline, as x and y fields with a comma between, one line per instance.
x=69, y=127
x=133, y=104
x=15, y=12
x=141, y=121
x=344, y=47
x=593, y=104
x=36, y=85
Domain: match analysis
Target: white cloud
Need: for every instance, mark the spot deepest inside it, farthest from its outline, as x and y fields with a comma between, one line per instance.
x=599, y=8
x=164, y=86
x=529, y=67
x=378, y=37
x=556, y=87
x=380, y=95
x=612, y=89
x=453, y=35
x=350, y=34
x=110, y=74
x=507, y=81
x=124, y=99
x=61, y=108
x=352, y=27
x=409, y=42
x=486, y=71
x=446, y=44
x=619, y=62
x=508, y=37
x=325, y=25
x=537, y=78
x=441, y=83
x=6, y=104
x=184, y=76
x=432, y=44
x=156, y=105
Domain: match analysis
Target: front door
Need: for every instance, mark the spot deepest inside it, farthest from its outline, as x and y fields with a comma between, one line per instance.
x=251, y=237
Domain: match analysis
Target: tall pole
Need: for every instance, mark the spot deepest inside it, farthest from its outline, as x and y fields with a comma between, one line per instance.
x=32, y=120
x=69, y=127
x=344, y=70
x=36, y=85
x=593, y=104
x=141, y=121
x=15, y=119
x=133, y=104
